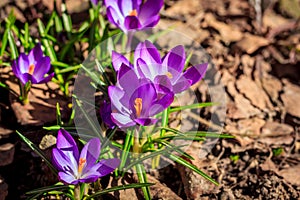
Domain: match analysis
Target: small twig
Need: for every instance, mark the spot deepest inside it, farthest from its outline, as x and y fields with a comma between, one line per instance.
x=291, y=148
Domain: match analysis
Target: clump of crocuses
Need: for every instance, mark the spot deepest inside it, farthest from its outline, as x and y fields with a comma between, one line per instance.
x=133, y=15
x=31, y=69
x=75, y=167
x=148, y=86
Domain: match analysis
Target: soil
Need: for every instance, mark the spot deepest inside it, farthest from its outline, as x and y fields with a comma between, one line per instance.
x=254, y=49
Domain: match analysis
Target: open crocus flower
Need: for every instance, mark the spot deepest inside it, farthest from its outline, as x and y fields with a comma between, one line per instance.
x=148, y=64
x=135, y=100
x=74, y=167
x=132, y=14
x=32, y=67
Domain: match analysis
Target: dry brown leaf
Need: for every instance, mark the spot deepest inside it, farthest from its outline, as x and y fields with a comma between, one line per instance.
x=291, y=174
x=228, y=33
x=291, y=98
x=276, y=129
x=250, y=43
x=253, y=92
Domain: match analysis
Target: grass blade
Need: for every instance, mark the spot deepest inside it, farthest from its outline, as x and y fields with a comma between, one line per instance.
x=121, y=187
x=38, y=151
x=192, y=167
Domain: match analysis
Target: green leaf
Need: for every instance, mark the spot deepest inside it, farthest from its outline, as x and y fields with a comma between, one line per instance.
x=117, y=188
x=192, y=167
x=193, y=106
x=13, y=46
x=142, y=176
x=49, y=188
x=38, y=151
x=4, y=42
x=126, y=149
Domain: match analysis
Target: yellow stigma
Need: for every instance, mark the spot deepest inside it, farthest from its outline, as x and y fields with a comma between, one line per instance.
x=133, y=13
x=82, y=161
x=138, y=105
x=168, y=74
x=31, y=69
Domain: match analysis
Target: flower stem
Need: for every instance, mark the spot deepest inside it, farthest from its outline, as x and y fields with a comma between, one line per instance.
x=77, y=192
x=136, y=142
x=129, y=40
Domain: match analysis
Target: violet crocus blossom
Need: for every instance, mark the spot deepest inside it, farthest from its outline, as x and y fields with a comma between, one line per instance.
x=74, y=167
x=135, y=100
x=131, y=15
x=105, y=112
x=95, y=2
x=149, y=64
x=32, y=67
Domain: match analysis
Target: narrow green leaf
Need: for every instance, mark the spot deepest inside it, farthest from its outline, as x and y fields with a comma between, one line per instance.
x=4, y=42
x=126, y=149
x=142, y=176
x=38, y=151
x=192, y=167
x=58, y=115
x=193, y=106
x=49, y=188
x=117, y=188
x=13, y=47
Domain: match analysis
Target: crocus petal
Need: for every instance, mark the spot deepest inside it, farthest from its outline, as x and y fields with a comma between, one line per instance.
x=35, y=54
x=145, y=121
x=118, y=59
x=122, y=120
x=195, y=73
x=151, y=22
x=163, y=84
x=47, y=79
x=175, y=60
x=15, y=68
x=67, y=178
x=108, y=165
x=147, y=93
x=149, y=9
x=115, y=17
x=90, y=153
x=64, y=162
x=161, y=104
x=126, y=73
x=95, y=2
x=181, y=85
x=115, y=95
x=132, y=22
x=42, y=67
x=148, y=52
x=105, y=112
x=126, y=6
x=23, y=63
x=24, y=78
x=65, y=142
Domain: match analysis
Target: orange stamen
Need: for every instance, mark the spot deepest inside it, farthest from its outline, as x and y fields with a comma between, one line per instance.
x=31, y=69
x=82, y=161
x=133, y=13
x=138, y=105
x=168, y=74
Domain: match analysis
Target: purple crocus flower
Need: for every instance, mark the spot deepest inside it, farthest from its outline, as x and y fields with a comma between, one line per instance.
x=105, y=112
x=132, y=14
x=95, y=2
x=135, y=100
x=32, y=67
x=149, y=64
x=74, y=167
